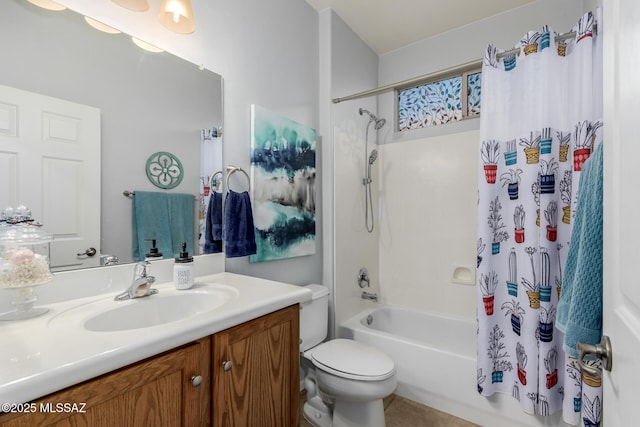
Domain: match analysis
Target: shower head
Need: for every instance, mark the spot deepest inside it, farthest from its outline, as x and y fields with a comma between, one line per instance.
x=378, y=123
x=373, y=156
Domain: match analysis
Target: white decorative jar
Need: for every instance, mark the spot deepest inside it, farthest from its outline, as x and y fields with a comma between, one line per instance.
x=24, y=260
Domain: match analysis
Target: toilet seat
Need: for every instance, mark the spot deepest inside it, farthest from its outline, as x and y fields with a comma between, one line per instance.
x=352, y=360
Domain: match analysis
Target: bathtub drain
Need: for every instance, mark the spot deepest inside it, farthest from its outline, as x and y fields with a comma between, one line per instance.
x=369, y=320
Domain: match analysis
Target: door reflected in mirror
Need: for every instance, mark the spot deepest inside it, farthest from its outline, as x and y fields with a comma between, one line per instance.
x=147, y=103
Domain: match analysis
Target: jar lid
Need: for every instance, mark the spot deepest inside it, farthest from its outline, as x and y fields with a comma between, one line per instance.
x=17, y=225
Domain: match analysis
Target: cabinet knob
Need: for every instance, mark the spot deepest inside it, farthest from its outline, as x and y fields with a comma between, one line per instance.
x=227, y=365
x=196, y=380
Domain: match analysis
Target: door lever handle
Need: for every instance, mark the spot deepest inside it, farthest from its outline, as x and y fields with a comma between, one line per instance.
x=601, y=351
x=89, y=252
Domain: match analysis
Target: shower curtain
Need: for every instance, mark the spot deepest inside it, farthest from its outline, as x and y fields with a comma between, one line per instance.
x=541, y=118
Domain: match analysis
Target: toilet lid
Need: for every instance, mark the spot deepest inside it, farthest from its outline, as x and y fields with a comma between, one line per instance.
x=353, y=360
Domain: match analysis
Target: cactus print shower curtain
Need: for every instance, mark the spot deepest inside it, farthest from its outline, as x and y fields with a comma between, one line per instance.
x=541, y=116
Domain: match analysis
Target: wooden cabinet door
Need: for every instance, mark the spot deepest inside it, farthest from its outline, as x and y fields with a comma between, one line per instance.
x=256, y=372
x=155, y=392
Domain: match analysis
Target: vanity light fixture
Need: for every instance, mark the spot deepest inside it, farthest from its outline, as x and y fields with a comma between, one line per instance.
x=137, y=5
x=177, y=16
x=146, y=46
x=100, y=26
x=47, y=4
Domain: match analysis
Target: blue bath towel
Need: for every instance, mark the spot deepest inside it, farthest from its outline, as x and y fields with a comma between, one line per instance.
x=580, y=306
x=167, y=218
x=213, y=228
x=238, y=232
x=150, y=221
x=182, y=218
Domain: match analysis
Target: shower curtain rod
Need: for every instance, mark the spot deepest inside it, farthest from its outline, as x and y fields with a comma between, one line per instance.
x=458, y=69
x=414, y=81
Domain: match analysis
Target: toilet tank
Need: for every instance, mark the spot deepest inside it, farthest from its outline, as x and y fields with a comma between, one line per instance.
x=314, y=318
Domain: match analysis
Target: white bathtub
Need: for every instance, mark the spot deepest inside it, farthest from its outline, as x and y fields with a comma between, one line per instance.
x=435, y=358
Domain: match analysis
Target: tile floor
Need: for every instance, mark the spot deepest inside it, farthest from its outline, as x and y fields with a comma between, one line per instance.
x=401, y=412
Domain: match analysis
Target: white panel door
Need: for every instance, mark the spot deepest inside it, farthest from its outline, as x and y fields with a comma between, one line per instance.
x=50, y=162
x=622, y=211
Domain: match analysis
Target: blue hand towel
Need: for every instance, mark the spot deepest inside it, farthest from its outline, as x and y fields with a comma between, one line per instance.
x=181, y=208
x=150, y=221
x=580, y=306
x=213, y=229
x=238, y=232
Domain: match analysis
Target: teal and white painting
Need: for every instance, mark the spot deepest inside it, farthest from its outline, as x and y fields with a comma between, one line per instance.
x=283, y=174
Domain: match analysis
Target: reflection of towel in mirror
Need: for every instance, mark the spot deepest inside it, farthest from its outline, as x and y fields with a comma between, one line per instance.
x=238, y=232
x=580, y=306
x=150, y=221
x=167, y=218
x=213, y=229
x=181, y=221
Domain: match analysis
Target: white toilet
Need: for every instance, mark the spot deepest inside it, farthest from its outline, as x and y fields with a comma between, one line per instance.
x=345, y=380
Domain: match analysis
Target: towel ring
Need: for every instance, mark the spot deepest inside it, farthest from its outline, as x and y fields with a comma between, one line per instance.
x=231, y=170
x=211, y=179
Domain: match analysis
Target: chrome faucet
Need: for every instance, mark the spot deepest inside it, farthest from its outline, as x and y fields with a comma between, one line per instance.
x=140, y=284
x=108, y=260
x=371, y=296
x=363, y=278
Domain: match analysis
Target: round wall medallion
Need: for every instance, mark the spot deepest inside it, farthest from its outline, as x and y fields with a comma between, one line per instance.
x=164, y=170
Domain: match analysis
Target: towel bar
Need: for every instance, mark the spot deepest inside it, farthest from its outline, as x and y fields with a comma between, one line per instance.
x=131, y=194
x=211, y=186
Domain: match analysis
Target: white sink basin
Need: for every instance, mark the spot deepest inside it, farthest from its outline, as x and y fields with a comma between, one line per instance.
x=170, y=305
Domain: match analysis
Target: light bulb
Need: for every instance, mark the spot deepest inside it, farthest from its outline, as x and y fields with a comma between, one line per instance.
x=136, y=5
x=146, y=46
x=100, y=26
x=47, y=4
x=177, y=15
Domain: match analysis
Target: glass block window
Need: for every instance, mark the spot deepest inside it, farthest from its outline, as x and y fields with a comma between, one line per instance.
x=439, y=102
x=473, y=94
x=431, y=104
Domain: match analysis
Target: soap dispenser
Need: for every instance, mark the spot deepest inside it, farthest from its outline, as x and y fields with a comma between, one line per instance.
x=154, y=254
x=183, y=270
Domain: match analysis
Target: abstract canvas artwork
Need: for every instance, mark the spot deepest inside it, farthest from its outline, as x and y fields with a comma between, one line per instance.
x=283, y=174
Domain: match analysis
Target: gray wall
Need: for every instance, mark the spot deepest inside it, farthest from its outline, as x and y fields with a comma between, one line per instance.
x=149, y=102
x=272, y=61
x=267, y=53
x=353, y=68
x=592, y=5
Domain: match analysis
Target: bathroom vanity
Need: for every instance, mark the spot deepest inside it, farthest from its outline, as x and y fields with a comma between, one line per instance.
x=234, y=364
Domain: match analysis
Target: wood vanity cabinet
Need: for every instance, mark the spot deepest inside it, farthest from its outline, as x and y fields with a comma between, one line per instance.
x=256, y=372
x=156, y=392
x=258, y=385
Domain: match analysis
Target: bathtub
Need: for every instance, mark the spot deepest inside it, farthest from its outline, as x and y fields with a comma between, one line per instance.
x=435, y=359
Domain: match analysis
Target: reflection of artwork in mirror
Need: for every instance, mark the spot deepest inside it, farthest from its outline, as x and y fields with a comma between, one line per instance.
x=146, y=102
x=283, y=171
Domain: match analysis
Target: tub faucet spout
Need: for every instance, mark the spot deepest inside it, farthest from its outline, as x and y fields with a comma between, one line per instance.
x=371, y=296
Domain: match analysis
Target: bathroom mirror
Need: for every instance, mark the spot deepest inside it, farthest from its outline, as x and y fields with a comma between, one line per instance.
x=148, y=103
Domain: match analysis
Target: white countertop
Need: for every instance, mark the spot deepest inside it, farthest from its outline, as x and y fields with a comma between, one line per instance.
x=43, y=355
